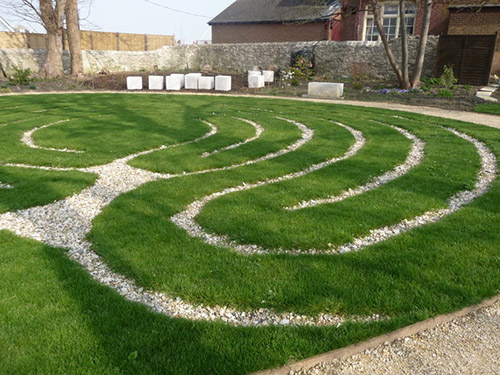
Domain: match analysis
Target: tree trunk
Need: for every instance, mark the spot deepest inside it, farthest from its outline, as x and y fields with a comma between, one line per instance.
x=404, y=46
x=73, y=26
x=419, y=62
x=52, y=19
x=383, y=37
x=53, y=62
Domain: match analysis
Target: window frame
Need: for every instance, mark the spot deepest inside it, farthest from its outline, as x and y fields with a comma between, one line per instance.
x=369, y=16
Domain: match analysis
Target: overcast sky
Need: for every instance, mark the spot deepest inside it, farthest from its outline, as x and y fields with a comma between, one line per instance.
x=186, y=19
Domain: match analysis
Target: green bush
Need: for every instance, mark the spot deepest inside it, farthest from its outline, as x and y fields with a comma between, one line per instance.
x=20, y=76
x=445, y=93
x=357, y=85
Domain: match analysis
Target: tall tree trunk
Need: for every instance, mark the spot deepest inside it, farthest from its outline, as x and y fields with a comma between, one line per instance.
x=378, y=20
x=422, y=45
x=52, y=18
x=73, y=26
x=404, y=46
x=53, y=63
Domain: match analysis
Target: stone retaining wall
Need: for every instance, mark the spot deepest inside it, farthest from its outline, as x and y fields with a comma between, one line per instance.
x=333, y=59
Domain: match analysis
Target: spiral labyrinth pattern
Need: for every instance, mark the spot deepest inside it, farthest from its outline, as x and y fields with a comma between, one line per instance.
x=281, y=182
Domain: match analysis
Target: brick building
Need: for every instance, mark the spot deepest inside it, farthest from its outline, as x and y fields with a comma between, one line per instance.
x=248, y=21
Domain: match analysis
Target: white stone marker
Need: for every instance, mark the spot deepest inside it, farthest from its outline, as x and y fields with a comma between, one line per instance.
x=156, y=82
x=174, y=83
x=206, y=83
x=254, y=73
x=180, y=76
x=268, y=75
x=223, y=83
x=255, y=82
x=134, y=83
x=192, y=80
x=325, y=89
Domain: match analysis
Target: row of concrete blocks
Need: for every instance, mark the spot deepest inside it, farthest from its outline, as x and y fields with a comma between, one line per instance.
x=175, y=82
x=258, y=79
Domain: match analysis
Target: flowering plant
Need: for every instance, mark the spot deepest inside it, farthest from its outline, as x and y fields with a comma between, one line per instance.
x=396, y=91
x=495, y=79
x=300, y=70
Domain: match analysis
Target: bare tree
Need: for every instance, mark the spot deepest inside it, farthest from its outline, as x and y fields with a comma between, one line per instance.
x=402, y=71
x=73, y=27
x=52, y=14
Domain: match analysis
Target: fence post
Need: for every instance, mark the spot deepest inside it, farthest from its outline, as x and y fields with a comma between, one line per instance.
x=145, y=42
x=91, y=40
x=117, y=41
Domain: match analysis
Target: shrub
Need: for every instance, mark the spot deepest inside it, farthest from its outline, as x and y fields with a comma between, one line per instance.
x=357, y=85
x=445, y=93
x=20, y=76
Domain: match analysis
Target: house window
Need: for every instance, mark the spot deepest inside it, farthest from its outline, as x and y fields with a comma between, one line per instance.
x=390, y=21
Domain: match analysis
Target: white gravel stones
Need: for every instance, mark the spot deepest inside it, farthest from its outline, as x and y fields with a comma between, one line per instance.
x=465, y=345
x=134, y=83
x=27, y=138
x=187, y=218
x=258, y=132
x=415, y=157
x=156, y=82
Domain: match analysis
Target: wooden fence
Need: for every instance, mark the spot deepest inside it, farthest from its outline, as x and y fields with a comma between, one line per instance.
x=470, y=56
x=91, y=40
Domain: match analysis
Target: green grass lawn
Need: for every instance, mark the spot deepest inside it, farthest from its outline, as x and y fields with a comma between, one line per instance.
x=56, y=319
x=490, y=108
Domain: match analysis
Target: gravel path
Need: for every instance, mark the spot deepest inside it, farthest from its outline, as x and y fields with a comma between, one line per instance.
x=465, y=345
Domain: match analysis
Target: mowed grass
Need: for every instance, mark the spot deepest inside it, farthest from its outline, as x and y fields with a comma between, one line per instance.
x=490, y=108
x=70, y=324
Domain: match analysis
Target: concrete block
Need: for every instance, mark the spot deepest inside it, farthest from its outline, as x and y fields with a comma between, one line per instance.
x=174, y=83
x=134, y=83
x=206, y=83
x=223, y=83
x=254, y=73
x=180, y=76
x=325, y=89
x=156, y=82
x=255, y=82
x=192, y=80
x=268, y=76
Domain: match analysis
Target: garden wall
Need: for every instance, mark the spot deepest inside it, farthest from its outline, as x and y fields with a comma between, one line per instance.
x=333, y=59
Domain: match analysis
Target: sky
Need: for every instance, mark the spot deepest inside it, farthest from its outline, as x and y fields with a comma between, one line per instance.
x=187, y=20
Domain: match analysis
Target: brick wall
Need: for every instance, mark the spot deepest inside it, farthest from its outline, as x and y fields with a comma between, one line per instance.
x=469, y=22
x=268, y=33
